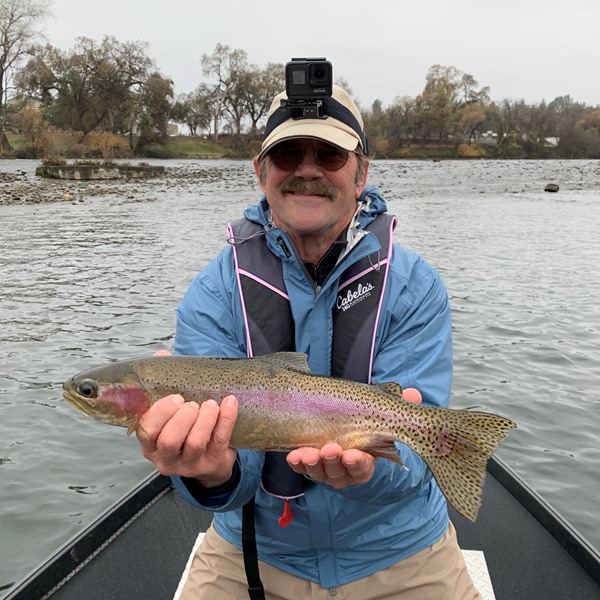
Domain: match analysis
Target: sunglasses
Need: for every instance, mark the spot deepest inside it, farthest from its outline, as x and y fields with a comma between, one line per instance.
x=288, y=157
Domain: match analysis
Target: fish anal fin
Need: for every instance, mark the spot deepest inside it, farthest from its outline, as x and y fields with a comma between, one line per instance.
x=383, y=447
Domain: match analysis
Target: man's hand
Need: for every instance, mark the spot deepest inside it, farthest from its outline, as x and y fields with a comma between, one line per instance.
x=332, y=465
x=190, y=440
x=336, y=467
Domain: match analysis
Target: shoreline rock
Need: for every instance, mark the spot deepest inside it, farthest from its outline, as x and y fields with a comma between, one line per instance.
x=24, y=187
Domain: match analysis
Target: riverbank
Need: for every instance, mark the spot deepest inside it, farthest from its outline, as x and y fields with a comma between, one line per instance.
x=245, y=147
x=20, y=185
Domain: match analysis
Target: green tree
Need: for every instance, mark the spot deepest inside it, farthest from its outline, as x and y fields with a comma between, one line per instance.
x=194, y=109
x=376, y=121
x=95, y=85
x=156, y=107
x=258, y=90
x=447, y=109
x=436, y=105
x=575, y=140
x=401, y=119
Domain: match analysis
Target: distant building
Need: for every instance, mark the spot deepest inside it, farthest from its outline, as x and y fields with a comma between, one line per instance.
x=488, y=138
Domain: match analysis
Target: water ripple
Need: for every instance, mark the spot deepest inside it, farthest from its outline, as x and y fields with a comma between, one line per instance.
x=99, y=280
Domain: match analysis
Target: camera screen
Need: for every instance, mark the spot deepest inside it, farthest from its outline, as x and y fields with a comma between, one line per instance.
x=298, y=76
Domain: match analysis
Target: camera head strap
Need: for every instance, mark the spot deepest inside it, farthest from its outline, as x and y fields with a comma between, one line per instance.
x=316, y=109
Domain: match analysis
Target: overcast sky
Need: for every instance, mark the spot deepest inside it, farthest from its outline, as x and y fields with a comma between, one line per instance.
x=531, y=49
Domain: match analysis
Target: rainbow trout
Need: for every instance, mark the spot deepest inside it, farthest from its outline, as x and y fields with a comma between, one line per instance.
x=283, y=406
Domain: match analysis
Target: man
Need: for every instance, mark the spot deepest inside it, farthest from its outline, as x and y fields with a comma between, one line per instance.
x=312, y=268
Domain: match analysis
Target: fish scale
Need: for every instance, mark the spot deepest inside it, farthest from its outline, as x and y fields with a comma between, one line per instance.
x=283, y=406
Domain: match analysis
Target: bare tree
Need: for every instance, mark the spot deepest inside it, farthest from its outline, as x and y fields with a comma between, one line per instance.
x=226, y=67
x=259, y=89
x=19, y=29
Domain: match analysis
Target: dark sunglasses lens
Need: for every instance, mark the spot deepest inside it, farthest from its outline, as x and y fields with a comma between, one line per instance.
x=330, y=158
x=287, y=158
x=290, y=157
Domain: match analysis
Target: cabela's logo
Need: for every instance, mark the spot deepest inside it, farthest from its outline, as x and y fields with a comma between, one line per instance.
x=353, y=297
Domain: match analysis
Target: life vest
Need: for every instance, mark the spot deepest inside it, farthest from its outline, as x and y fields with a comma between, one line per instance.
x=269, y=328
x=266, y=306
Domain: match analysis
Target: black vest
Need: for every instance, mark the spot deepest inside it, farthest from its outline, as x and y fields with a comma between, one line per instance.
x=265, y=302
x=270, y=326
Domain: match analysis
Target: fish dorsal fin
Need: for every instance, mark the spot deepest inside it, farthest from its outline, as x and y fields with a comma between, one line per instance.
x=286, y=360
x=390, y=387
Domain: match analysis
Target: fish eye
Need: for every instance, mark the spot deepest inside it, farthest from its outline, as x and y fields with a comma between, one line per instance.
x=87, y=388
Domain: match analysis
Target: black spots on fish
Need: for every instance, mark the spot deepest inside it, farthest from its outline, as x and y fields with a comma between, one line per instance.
x=444, y=442
x=457, y=450
x=369, y=423
x=356, y=420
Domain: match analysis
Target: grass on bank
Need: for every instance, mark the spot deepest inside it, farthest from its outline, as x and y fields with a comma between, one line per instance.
x=61, y=145
x=68, y=145
x=186, y=147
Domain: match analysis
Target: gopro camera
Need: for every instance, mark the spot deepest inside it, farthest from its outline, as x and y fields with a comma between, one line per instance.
x=308, y=78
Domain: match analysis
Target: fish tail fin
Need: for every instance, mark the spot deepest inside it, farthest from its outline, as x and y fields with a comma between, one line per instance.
x=457, y=453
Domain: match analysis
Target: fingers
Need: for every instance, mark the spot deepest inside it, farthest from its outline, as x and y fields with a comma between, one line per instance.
x=211, y=432
x=155, y=419
x=359, y=465
x=332, y=465
x=412, y=395
x=227, y=418
x=188, y=439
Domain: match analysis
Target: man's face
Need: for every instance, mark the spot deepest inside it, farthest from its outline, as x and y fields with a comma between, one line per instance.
x=306, y=195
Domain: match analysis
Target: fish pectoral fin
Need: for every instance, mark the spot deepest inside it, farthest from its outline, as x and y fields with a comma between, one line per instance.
x=131, y=427
x=390, y=387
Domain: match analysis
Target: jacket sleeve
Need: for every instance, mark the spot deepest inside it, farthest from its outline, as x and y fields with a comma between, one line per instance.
x=207, y=326
x=414, y=348
x=206, y=321
x=250, y=463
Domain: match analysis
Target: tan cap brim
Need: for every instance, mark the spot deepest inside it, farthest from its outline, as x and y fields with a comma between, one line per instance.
x=329, y=130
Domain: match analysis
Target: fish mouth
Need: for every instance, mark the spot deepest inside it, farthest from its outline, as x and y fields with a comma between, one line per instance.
x=78, y=402
x=93, y=410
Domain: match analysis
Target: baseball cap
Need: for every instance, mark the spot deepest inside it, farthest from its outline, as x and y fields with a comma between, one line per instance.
x=343, y=126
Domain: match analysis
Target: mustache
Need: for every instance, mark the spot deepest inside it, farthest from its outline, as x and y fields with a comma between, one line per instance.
x=297, y=185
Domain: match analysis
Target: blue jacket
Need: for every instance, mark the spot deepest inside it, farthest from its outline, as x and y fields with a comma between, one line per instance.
x=336, y=536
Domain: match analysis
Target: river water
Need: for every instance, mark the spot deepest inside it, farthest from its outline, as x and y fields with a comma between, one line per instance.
x=86, y=282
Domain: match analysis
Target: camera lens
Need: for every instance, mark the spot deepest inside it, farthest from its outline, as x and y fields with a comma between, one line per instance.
x=319, y=74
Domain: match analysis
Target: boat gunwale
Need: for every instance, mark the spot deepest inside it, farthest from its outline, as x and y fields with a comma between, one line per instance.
x=74, y=554
x=77, y=551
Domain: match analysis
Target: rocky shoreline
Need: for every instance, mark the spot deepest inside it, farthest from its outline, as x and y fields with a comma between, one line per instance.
x=24, y=187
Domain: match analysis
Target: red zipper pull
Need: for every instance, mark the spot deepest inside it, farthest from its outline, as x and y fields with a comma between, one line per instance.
x=287, y=516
